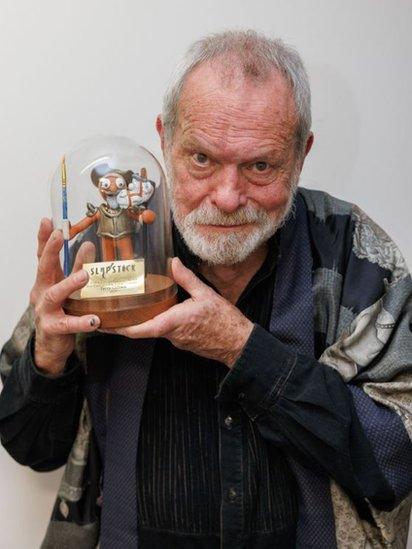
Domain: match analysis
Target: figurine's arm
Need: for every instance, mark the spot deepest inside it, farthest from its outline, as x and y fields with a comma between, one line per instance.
x=145, y=216
x=84, y=224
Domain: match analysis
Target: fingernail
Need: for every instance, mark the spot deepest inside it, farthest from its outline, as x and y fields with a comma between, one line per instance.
x=94, y=321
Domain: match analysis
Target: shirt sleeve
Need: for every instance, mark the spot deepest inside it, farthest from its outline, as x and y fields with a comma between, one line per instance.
x=39, y=413
x=306, y=408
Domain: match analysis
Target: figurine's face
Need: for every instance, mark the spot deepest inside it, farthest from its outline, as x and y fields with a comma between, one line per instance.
x=232, y=163
x=111, y=184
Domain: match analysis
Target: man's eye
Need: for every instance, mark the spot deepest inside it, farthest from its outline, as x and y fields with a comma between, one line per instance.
x=200, y=159
x=260, y=166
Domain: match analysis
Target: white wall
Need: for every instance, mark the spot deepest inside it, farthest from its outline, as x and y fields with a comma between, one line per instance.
x=73, y=69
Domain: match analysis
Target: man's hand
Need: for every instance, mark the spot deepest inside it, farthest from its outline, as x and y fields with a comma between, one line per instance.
x=205, y=324
x=54, y=341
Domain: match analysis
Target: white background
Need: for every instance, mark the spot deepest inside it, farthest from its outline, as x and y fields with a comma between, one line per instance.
x=73, y=69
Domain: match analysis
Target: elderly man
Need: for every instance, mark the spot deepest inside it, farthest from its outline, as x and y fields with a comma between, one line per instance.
x=269, y=407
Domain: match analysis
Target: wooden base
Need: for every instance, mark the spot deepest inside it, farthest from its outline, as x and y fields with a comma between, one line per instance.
x=117, y=312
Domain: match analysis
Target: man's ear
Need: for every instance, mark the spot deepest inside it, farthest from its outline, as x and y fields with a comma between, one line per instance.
x=160, y=130
x=309, y=143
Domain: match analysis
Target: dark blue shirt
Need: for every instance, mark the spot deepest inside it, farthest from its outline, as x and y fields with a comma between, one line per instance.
x=206, y=477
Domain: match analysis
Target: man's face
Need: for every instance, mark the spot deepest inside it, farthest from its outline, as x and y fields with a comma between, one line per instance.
x=232, y=163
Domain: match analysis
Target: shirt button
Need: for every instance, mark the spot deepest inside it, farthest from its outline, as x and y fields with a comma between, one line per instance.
x=231, y=494
x=229, y=422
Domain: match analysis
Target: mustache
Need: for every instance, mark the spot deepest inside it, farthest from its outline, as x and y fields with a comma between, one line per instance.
x=211, y=215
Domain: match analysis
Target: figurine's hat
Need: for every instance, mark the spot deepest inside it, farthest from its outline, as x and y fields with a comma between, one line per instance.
x=103, y=169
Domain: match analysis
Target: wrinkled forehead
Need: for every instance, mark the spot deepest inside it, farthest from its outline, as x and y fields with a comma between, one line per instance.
x=238, y=114
x=240, y=101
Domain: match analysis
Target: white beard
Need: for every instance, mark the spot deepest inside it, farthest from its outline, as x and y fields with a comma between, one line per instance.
x=112, y=201
x=224, y=248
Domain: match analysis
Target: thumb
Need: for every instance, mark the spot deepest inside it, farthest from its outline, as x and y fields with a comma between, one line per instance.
x=187, y=279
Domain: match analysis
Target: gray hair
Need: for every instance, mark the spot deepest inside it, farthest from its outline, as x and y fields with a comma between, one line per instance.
x=255, y=55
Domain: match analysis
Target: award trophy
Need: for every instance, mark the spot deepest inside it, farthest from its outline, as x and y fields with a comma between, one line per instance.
x=109, y=200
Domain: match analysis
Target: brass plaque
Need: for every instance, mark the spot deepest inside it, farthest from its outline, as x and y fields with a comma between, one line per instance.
x=114, y=278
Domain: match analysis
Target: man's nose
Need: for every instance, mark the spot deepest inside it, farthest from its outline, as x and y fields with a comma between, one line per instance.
x=228, y=193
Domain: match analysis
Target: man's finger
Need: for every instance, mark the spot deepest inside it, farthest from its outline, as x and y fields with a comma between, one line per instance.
x=159, y=326
x=68, y=324
x=49, y=264
x=45, y=230
x=187, y=279
x=85, y=254
x=54, y=297
x=147, y=329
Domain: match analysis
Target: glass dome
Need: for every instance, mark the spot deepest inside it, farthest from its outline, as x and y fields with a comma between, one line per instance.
x=109, y=199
